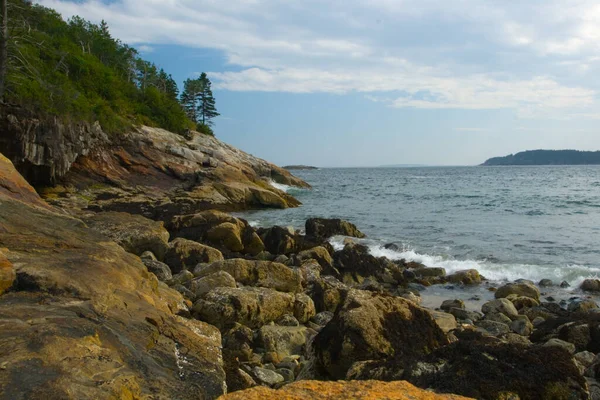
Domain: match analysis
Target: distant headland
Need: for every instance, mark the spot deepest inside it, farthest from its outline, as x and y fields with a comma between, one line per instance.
x=547, y=157
x=292, y=167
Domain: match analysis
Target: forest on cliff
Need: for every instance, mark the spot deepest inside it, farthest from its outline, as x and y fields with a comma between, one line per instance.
x=548, y=157
x=76, y=70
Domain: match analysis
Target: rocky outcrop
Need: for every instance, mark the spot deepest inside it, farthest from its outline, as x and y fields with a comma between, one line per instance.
x=86, y=320
x=43, y=149
x=159, y=174
x=365, y=390
x=322, y=228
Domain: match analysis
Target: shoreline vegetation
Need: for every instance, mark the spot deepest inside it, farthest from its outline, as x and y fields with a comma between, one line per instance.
x=299, y=167
x=547, y=157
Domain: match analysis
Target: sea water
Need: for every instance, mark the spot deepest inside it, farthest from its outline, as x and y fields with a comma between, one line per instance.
x=506, y=222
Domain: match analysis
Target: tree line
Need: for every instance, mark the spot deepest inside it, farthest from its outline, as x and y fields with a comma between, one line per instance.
x=75, y=69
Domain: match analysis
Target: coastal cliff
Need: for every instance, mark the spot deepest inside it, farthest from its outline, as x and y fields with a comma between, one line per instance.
x=547, y=157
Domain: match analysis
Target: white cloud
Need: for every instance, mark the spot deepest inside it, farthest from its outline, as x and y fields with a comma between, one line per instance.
x=432, y=54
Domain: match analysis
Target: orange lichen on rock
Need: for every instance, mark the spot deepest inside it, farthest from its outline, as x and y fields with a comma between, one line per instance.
x=342, y=390
x=13, y=185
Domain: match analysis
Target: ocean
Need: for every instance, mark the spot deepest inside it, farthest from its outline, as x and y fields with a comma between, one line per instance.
x=506, y=222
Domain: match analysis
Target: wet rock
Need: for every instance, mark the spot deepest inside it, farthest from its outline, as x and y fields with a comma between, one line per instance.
x=564, y=284
x=431, y=272
x=357, y=390
x=466, y=277
x=267, y=376
x=546, y=283
x=521, y=302
x=253, y=307
x=461, y=314
x=370, y=326
x=492, y=327
x=448, y=304
x=185, y=254
x=501, y=306
x=160, y=269
x=279, y=240
x=582, y=306
x=591, y=285
x=524, y=289
x=323, y=229
x=283, y=340
x=256, y=273
x=355, y=264
x=569, y=347
x=202, y=285
x=134, y=233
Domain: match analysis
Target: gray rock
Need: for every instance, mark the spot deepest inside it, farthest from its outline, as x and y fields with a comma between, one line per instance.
x=523, y=288
x=288, y=374
x=591, y=285
x=160, y=269
x=148, y=255
x=546, y=283
x=288, y=320
x=582, y=306
x=521, y=327
x=322, y=318
x=267, y=376
x=564, y=284
x=502, y=306
x=570, y=347
x=431, y=272
x=492, y=327
x=445, y=321
x=448, y=304
x=181, y=278
x=497, y=317
x=585, y=358
x=465, y=314
x=203, y=285
x=284, y=340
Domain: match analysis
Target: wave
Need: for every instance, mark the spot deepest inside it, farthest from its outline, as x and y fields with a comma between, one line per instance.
x=280, y=186
x=496, y=272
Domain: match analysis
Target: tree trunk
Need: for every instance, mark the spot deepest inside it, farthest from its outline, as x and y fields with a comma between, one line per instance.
x=3, y=47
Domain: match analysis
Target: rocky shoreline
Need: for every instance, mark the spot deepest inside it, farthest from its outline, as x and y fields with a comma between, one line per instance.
x=107, y=294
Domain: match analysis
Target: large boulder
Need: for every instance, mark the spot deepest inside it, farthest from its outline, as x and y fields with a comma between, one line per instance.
x=280, y=240
x=521, y=289
x=284, y=340
x=328, y=293
x=357, y=390
x=487, y=368
x=500, y=306
x=466, y=277
x=370, y=326
x=256, y=273
x=322, y=228
x=185, y=254
x=319, y=254
x=160, y=269
x=253, y=307
x=134, y=233
x=85, y=319
x=591, y=285
x=202, y=285
x=355, y=264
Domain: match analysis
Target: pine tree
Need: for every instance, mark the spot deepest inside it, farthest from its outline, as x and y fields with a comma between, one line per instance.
x=190, y=98
x=206, y=108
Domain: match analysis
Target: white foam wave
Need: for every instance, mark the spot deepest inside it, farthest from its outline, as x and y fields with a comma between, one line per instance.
x=574, y=274
x=280, y=186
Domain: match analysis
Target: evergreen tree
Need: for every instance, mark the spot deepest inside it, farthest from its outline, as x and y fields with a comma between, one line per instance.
x=206, y=108
x=190, y=98
x=198, y=101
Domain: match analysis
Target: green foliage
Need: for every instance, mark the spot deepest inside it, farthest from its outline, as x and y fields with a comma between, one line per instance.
x=198, y=100
x=76, y=69
x=204, y=128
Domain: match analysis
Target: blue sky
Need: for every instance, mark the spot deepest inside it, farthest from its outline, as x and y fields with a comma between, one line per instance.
x=376, y=82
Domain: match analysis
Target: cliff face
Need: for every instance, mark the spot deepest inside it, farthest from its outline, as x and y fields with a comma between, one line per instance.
x=148, y=171
x=43, y=149
x=85, y=319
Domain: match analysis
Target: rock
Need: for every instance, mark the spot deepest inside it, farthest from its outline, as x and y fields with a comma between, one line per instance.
x=582, y=306
x=546, y=283
x=238, y=342
x=520, y=289
x=521, y=302
x=282, y=259
x=521, y=327
x=327, y=293
x=461, y=314
x=267, y=377
x=227, y=235
x=279, y=240
x=288, y=320
x=86, y=319
x=501, y=306
x=585, y=358
x=356, y=390
x=160, y=269
x=355, y=264
x=445, y=321
x=564, y=284
x=580, y=334
x=320, y=254
x=561, y=344
x=412, y=297
x=256, y=273
x=322, y=318
x=201, y=286
x=466, y=277
x=370, y=326
x=253, y=307
x=181, y=278
x=185, y=254
x=448, y=304
x=492, y=327
x=284, y=340
x=431, y=272
x=288, y=374
x=134, y=233
x=487, y=368
x=323, y=229
x=148, y=256
x=497, y=317
x=591, y=285
x=7, y=274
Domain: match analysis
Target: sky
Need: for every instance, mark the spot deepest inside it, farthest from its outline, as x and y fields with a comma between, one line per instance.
x=342, y=83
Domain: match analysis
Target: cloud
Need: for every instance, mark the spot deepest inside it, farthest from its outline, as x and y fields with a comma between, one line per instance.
x=431, y=54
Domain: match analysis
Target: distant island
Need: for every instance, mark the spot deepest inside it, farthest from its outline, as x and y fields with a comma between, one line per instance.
x=292, y=167
x=547, y=157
